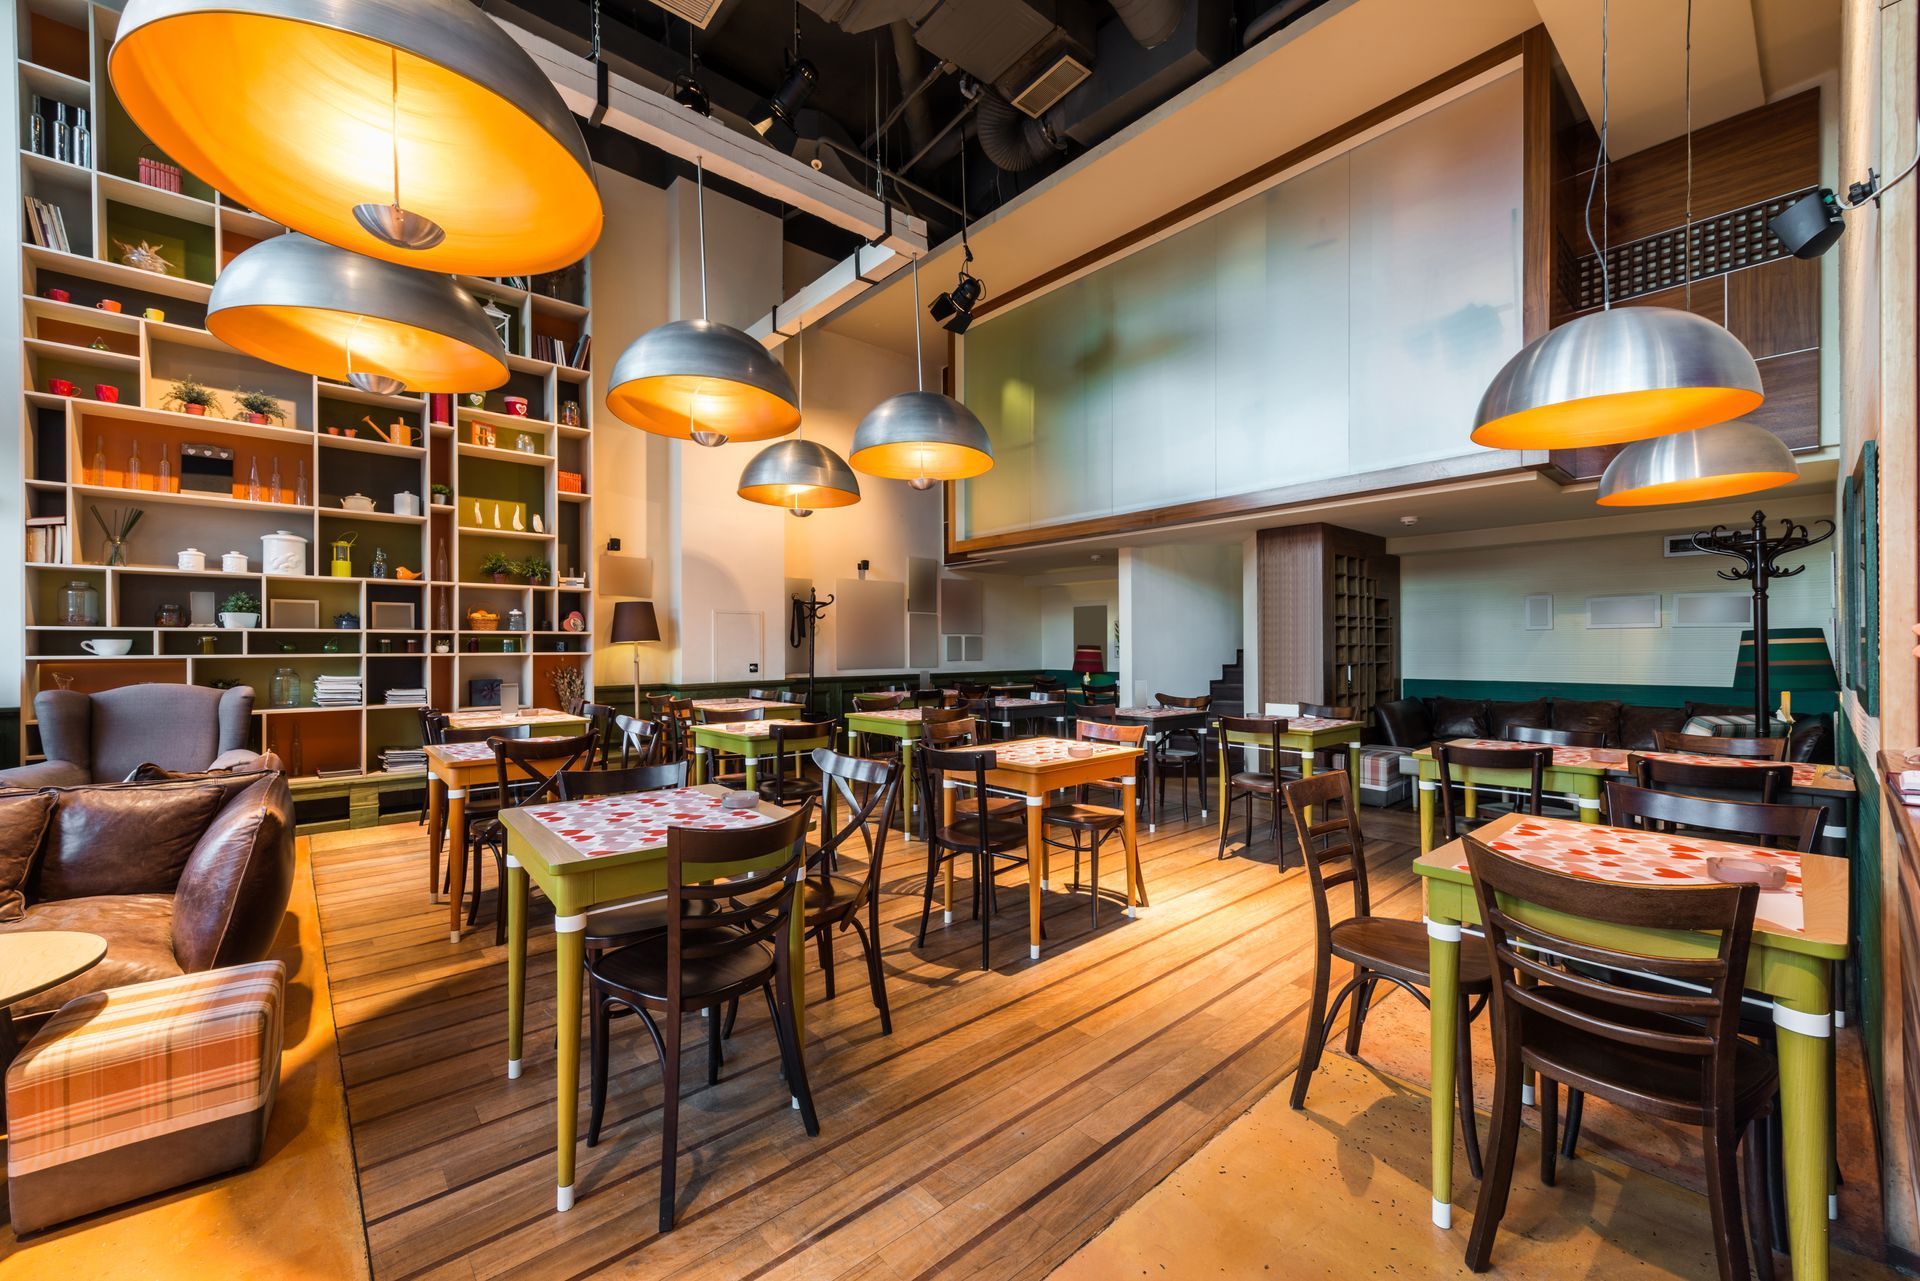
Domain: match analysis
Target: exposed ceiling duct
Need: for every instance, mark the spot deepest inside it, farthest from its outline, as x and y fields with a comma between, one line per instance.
x=1151, y=22
x=1011, y=139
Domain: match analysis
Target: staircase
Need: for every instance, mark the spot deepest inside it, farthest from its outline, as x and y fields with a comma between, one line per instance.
x=1229, y=694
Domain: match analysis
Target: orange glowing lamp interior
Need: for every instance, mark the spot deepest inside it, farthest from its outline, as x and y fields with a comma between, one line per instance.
x=677, y=405
x=1616, y=419
x=333, y=344
x=912, y=460
x=1699, y=489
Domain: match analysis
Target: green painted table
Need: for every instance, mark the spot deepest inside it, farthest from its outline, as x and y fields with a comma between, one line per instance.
x=773, y=711
x=749, y=740
x=1307, y=735
x=902, y=723
x=575, y=883
x=1792, y=965
x=1579, y=772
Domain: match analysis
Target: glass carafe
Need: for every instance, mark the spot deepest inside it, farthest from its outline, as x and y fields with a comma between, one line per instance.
x=80, y=604
x=285, y=689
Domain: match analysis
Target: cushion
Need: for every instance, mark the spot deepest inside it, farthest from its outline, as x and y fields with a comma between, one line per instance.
x=1639, y=724
x=1459, y=718
x=138, y=929
x=23, y=822
x=213, y=912
x=1502, y=717
x=123, y=840
x=1602, y=715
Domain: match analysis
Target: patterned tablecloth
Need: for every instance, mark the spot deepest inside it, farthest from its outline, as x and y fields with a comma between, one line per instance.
x=1051, y=751
x=1804, y=772
x=1029, y=702
x=741, y=729
x=1614, y=759
x=469, y=753
x=1628, y=857
x=603, y=825
x=906, y=715
x=737, y=704
x=1298, y=723
x=474, y=717
x=1156, y=713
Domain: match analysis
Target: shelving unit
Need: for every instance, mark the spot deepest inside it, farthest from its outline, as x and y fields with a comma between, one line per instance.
x=78, y=452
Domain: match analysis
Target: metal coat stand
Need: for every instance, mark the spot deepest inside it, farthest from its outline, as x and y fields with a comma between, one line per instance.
x=813, y=609
x=1759, y=557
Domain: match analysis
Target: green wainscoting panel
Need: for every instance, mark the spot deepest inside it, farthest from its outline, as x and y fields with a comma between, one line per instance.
x=1639, y=695
x=1869, y=913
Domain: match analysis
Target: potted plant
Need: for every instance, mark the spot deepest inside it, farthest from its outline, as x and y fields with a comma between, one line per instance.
x=498, y=567
x=535, y=570
x=442, y=495
x=240, y=609
x=258, y=407
x=187, y=396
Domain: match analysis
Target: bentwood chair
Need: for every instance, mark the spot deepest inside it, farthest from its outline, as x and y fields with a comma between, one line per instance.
x=886, y=749
x=990, y=840
x=1335, y=757
x=675, y=716
x=1046, y=684
x=1381, y=949
x=640, y=742
x=870, y=790
x=1556, y=737
x=1169, y=754
x=931, y=698
x=1079, y=818
x=723, y=768
x=1448, y=757
x=782, y=776
x=1761, y=782
x=724, y=938
x=1251, y=782
x=600, y=718
x=1672, y=1052
x=482, y=804
x=526, y=771
x=879, y=702
x=1756, y=749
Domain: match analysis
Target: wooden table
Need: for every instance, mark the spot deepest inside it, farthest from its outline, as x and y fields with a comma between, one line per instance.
x=903, y=724
x=749, y=740
x=34, y=961
x=1791, y=962
x=600, y=860
x=1307, y=735
x=1014, y=712
x=734, y=706
x=452, y=769
x=554, y=722
x=1034, y=768
x=1161, y=722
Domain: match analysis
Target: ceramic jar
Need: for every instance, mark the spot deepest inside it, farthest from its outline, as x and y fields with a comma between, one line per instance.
x=283, y=553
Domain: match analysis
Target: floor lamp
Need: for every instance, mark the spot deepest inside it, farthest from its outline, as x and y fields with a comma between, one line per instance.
x=634, y=623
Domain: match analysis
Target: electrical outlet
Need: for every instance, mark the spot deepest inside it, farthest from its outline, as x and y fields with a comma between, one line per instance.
x=753, y=669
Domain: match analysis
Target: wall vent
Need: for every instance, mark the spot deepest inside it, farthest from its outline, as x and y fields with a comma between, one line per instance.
x=1051, y=85
x=1681, y=545
x=1539, y=616
x=698, y=12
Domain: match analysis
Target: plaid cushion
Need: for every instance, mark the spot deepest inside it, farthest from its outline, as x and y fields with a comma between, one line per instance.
x=1379, y=766
x=1733, y=727
x=131, y=1063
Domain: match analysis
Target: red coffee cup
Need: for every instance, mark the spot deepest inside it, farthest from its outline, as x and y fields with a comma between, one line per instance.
x=58, y=295
x=517, y=406
x=61, y=387
x=106, y=393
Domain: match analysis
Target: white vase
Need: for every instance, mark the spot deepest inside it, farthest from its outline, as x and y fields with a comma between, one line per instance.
x=283, y=553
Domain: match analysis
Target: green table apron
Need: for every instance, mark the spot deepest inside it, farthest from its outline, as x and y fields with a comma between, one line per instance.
x=1307, y=742
x=1584, y=783
x=908, y=732
x=750, y=747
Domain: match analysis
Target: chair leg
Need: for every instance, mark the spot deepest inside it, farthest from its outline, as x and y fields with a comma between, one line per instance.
x=733, y=1012
x=1312, y=1042
x=713, y=1046
x=597, y=1033
x=783, y=1030
x=669, y=1113
x=1576, y=1109
x=876, y=976
x=1723, y=1198
x=1357, y=1016
x=982, y=867
x=825, y=942
x=1759, y=1228
x=473, y=857
x=1226, y=821
x=1546, y=1094
x=1463, y=1058
x=1093, y=875
x=1491, y=1204
x=926, y=900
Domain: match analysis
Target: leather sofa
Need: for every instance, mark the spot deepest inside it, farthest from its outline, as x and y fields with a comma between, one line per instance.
x=104, y=737
x=179, y=876
x=1412, y=723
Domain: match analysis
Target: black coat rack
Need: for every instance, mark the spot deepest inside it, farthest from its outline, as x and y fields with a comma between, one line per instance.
x=1759, y=557
x=805, y=625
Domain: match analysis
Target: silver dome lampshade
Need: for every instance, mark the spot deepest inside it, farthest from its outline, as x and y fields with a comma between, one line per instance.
x=702, y=381
x=921, y=437
x=1628, y=373
x=799, y=475
x=1721, y=461
x=310, y=306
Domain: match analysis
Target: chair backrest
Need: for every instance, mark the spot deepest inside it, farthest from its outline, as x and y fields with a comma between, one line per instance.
x=969, y=689
x=428, y=715
x=1686, y=1021
x=1105, y=731
x=878, y=702
x=711, y=917
x=931, y=698
x=1097, y=711
x=1199, y=702
x=723, y=715
x=1556, y=737
x=770, y=695
x=1793, y=827
x=1328, y=711
x=1333, y=846
x=445, y=733
x=600, y=720
x=870, y=790
x=1763, y=781
x=639, y=741
x=113, y=732
x=1267, y=728
x=1048, y=683
x=1757, y=749
x=1529, y=760
x=953, y=731
x=526, y=767
x=781, y=733
x=575, y=783
x=931, y=768
x=1094, y=695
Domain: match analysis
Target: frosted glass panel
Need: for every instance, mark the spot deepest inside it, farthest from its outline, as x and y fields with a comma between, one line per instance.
x=1342, y=322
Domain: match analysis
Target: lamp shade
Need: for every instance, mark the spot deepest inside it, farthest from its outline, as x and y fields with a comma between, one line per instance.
x=921, y=436
x=1721, y=461
x=1628, y=373
x=305, y=109
x=800, y=475
x=703, y=381
x=1797, y=659
x=313, y=307
x=634, y=622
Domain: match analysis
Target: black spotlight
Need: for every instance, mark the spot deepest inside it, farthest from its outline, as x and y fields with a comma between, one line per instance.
x=954, y=309
x=774, y=120
x=1809, y=226
x=691, y=94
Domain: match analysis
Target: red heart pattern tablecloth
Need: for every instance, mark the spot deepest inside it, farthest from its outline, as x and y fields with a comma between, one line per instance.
x=741, y=729
x=1804, y=772
x=1155, y=713
x=1574, y=757
x=906, y=715
x=488, y=717
x=1295, y=723
x=470, y=753
x=604, y=825
x=1051, y=751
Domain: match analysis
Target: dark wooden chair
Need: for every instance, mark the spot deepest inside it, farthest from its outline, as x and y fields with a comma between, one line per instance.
x=1760, y=782
x=1556, y=737
x=1668, y=1052
x=724, y=938
x=1251, y=782
x=622, y=923
x=427, y=714
x=1046, y=684
x=1448, y=757
x=1079, y=817
x=886, y=749
x=990, y=839
x=879, y=702
x=1184, y=750
x=675, y=716
x=1330, y=758
x=526, y=772
x=782, y=775
x=930, y=697
x=1381, y=949
x=1109, y=695
x=870, y=790
x=969, y=690
x=639, y=740
x=1753, y=749
x=600, y=720
x=771, y=695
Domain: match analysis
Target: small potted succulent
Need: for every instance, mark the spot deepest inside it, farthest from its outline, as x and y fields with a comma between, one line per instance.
x=442, y=495
x=498, y=567
x=535, y=570
x=187, y=396
x=258, y=407
x=240, y=609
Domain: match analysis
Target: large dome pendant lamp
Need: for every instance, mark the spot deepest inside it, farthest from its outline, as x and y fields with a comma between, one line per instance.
x=800, y=475
x=295, y=301
x=1621, y=374
x=701, y=381
x=921, y=436
x=327, y=115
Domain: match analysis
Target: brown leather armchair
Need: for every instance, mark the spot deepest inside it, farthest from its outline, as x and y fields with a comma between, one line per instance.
x=102, y=738
x=180, y=876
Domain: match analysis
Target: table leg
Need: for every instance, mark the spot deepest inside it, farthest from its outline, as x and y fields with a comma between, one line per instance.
x=1353, y=772
x=1586, y=793
x=1223, y=788
x=515, y=894
x=699, y=765
x=1427, y=788
x=1443, y=959
x=797, y=976
x=1306, y=772
x=457, y=856
x=1130, y=833
x=1801, y=1045
x=752, y=763
x=948, y=788
x=1036, y=859
x=1200, y=737
x=908, y=790
x=569, y=965
x=436, y=834
x=1469, y=799
x=1153, y=782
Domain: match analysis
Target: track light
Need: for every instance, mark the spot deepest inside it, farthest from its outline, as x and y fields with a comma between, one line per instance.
x=954, y=309
x=774, y=120
x=691, y=94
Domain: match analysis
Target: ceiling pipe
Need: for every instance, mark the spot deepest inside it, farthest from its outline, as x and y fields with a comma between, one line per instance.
x=1014, y=141
x=1150, y=22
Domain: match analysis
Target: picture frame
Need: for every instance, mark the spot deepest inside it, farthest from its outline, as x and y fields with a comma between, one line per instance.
x=294, y=614
x=391, y=616
x=483, y=692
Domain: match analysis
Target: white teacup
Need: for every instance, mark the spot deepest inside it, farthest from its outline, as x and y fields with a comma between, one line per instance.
x=106, y=648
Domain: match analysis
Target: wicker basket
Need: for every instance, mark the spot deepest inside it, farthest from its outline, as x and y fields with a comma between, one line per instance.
x=480, y=620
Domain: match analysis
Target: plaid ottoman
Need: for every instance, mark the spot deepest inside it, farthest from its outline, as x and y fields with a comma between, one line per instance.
x=142, y=1088
x=1381, y=779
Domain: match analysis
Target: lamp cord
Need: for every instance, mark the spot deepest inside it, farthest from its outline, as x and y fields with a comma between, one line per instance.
x=393, y=117
x=919, y=361
x=1686, y=225
x=1599, y=167
x=700, y=216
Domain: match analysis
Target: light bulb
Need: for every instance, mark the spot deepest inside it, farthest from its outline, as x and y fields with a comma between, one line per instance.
x=921, y=482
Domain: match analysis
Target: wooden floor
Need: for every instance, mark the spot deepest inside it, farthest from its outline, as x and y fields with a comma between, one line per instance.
x=1009, y=1117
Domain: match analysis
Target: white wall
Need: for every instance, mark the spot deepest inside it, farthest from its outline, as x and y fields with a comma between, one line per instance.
x=1057, y=603
x=1180, y=617
x=1462, y=607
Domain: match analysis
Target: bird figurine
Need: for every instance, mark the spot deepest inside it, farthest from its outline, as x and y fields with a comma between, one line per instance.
x=404, y=574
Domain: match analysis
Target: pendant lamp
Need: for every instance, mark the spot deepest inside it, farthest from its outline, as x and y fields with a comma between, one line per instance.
x=411, y=130
x=310, y=306
x=800, y=475
x=699, y=380
x=1721, y=461
x=1619, y=375
x=921, y=436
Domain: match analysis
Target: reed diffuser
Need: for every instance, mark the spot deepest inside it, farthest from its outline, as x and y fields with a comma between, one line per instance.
x=124, y=519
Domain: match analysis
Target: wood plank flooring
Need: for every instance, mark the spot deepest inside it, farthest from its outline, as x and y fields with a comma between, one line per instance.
x=1010, y=1116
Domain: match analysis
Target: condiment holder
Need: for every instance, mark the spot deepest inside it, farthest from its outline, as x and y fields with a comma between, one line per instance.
x=1730, y=870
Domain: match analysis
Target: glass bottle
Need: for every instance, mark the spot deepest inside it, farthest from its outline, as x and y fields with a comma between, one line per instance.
x=275, y=480
x=80, y=604
x=253, y=479
x=166, y=468
x=37, y=126
x=99, y=461
x=286, y=687
x=62, y=133
x=82, y=140
x=300, y=483
x=295, y=763
x=134, y=479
